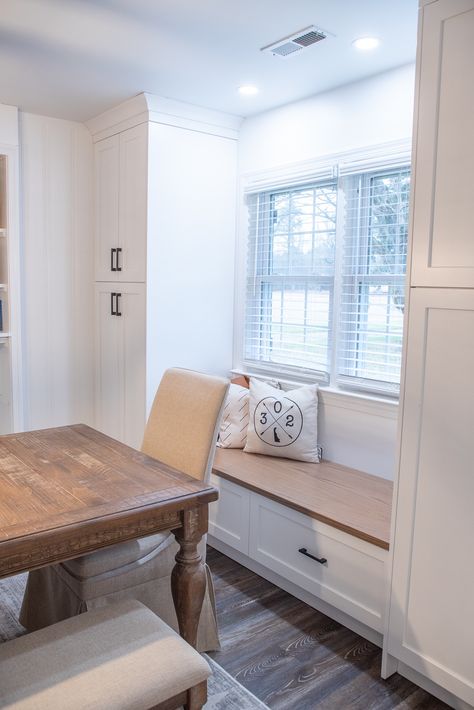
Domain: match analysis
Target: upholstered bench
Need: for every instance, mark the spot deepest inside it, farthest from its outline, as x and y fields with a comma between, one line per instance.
x=119, y=657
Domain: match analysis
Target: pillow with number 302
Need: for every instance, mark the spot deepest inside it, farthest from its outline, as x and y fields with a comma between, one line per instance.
x=283, y=423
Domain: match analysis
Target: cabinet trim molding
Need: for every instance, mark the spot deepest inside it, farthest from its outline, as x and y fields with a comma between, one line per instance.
x=146, y=107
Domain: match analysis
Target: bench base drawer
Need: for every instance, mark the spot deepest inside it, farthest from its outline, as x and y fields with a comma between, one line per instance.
x=352, y=577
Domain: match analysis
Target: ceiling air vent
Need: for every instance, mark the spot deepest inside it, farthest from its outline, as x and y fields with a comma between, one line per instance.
x=296, y=42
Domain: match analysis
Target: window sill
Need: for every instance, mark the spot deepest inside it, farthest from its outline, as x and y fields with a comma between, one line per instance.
x=369, y=404
x=374, y=405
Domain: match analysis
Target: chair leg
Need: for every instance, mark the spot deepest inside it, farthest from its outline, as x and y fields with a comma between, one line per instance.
x=196, y=696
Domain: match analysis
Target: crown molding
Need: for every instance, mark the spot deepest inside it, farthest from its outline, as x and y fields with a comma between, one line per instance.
x=148, y=108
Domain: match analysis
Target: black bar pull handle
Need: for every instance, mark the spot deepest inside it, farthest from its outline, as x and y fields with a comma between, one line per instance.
x=119, y=251
x=304, y=551
x=112, y=311
x=117, y=312
x=112, y=261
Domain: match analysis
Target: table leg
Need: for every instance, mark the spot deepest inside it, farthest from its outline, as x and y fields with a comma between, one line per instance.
x=188, y=578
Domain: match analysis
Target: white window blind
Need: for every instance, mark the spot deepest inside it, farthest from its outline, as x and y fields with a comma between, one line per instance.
x=375, y=231
x=326, y=273
x=290, y=284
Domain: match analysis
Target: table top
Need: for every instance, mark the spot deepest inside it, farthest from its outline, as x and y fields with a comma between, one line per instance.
x=69, y=490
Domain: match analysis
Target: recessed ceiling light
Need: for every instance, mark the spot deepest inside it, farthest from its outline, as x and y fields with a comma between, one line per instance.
x=248, y=90
x=366, y=43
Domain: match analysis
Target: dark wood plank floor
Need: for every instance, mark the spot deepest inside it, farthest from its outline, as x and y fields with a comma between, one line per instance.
x=293, y=657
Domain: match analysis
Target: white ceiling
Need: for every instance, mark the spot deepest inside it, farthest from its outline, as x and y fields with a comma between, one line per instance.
x=76, y=58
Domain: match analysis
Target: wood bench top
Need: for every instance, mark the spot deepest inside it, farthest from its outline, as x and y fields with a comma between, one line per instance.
x=352, y=501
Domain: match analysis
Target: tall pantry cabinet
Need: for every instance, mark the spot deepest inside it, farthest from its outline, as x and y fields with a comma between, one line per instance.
x=165, y=195
x=431, y=613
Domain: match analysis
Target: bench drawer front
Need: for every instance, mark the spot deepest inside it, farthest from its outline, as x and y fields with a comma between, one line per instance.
x=352, y=579
x=229, y=515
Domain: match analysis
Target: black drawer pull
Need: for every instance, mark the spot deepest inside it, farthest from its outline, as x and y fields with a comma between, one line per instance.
x=119, y=251
x=113, y=252
x=117, y=312
x=112, y=309
x=304, y=551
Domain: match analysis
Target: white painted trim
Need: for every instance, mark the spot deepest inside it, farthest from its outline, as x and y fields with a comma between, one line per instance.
x=366, y=158
x=130, y=122
x=157, y=109
x=388, y=663
x=431, y=687
x=359, y=403
x=332, y=397
x=339, y=616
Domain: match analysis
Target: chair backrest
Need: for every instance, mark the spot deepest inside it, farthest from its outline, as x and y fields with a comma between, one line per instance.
x=184, y=421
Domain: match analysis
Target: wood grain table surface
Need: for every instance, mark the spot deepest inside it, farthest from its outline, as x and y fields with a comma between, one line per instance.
x=71, y=490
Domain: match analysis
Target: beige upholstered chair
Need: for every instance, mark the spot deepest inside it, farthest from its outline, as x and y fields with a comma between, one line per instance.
x=182, y=432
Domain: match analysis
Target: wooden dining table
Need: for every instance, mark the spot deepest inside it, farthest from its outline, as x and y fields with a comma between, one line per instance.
x=71, y=490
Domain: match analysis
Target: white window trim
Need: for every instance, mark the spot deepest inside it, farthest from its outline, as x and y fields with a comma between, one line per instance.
x=393, y=154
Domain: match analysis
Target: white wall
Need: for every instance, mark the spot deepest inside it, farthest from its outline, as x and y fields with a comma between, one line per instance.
x=57, y=296
x=352, y=430
x=368, y=112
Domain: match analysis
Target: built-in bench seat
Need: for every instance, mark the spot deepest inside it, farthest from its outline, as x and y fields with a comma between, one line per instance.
x=121, y=656
x=320, y=531
x=342, y=497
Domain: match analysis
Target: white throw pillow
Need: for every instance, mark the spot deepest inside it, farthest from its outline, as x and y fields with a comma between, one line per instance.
x=283, y=423
x=235, y=419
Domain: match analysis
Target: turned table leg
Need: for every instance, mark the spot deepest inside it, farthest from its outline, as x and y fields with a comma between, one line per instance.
x=188, y=578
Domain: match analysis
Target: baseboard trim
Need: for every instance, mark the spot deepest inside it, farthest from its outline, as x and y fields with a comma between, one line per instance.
x=325, y=608
x=432, y=687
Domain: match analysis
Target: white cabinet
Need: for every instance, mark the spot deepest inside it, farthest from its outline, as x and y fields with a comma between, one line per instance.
x=121, y=205
x=120, y=371
x=229, y=515
x=340, y=569
x=432, y=610
x=352, y=577
x=106, y=160
x=443, y=246
x=165, y=186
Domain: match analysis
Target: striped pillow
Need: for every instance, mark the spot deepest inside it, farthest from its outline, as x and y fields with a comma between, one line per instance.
x=235, y=419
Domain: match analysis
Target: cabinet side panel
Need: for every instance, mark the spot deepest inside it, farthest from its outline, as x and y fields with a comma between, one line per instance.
x=190, y=264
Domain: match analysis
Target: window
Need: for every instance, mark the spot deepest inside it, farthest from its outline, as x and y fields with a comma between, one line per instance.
x=325, y=277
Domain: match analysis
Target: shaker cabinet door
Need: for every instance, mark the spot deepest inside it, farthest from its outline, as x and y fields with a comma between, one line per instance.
x=121, y=206
x=133, y=352
x=120, y=361
x=133, y=204
x=108, y=364
x=106, y=156
x=431, y=608
x=443, y=232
